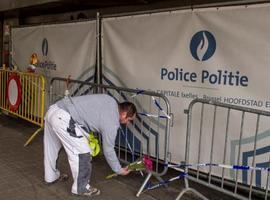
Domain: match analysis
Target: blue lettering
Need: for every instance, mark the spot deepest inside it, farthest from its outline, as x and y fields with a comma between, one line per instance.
x=171, y=76
x=163, y=73
x=244, y=81
x=178, y=74
x=224, y=78
x=205, y=75
x=219, y=77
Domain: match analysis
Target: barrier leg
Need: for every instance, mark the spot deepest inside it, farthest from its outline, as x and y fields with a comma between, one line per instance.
x=144, y=184
x=32, y=137
x=187, y=189
x=193, y=191
x=161, y=180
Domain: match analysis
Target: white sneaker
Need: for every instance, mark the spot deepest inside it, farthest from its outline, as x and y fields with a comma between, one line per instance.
x=90, y=192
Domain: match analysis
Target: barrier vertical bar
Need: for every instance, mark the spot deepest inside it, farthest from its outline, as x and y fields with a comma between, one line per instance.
x=267, y=181
x=5, y=92
x=225, y=145
x=36, y=100
x=200, y=141
x=133, y=137
x=239, y=150
x=44, y=101
x=157, y=137
x=149, y=129
x=119, y=145
x=32, y=97
x=2, y=88
x=141, y=133
x=189, y=117
x=19, y=108
x=212, y=144
x=28, y=98
x=254, y=155
x=126, y=142
x=98, y=49
x=23, y=93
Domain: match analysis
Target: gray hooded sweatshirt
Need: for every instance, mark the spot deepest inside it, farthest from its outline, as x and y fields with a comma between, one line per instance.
x=98, y=113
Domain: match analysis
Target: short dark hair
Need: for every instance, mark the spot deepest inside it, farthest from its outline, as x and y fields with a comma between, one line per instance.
x=128, y=107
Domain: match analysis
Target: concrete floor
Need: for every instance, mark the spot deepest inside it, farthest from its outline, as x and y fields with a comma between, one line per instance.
x=21, y=172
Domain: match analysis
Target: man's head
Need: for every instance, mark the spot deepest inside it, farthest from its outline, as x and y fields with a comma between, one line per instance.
x=127, y=112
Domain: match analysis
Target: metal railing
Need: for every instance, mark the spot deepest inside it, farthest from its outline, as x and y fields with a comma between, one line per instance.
x=147, y=135
x=227, y=149
x=30, y=96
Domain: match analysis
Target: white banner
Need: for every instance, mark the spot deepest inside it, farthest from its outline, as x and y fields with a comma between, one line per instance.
x=221, y=54
x=61, y=49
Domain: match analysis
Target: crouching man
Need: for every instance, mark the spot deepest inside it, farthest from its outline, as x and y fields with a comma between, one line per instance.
x=68, y=123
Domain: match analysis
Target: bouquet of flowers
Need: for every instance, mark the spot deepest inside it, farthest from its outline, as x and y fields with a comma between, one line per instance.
x=144, y=163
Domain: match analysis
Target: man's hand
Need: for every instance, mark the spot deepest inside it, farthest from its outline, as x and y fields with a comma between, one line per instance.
x=124, y=171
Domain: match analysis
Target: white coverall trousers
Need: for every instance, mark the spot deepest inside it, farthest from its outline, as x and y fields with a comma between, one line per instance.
x=58, y=133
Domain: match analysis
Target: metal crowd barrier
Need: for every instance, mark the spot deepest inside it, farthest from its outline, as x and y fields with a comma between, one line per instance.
x=227, y=149
x=147, y=135
x=30, y=97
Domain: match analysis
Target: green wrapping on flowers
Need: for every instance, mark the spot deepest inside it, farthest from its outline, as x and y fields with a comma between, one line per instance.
x=93, y=144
